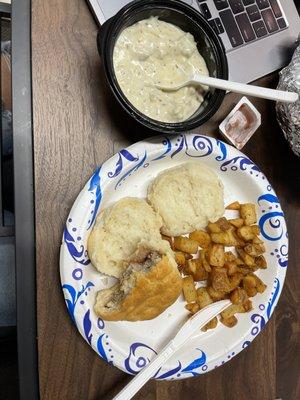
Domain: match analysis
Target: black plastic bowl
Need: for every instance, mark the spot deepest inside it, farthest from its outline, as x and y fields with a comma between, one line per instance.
x=189, y=20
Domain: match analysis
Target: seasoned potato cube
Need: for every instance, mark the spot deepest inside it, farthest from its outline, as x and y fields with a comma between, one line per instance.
x=201, y=237
x=254, y=250
x=187, y=256
x=197, y=270
x=216, y=255
x=246, y=233
x=238, y=261
x=257, y=240
x=255, y=229
x=180, y=258
x=223, y=224
x=234, y=238
x=249, y=284
x=219, y=280
x=168, y=239
x=210, y=325
x=233, y=206
x=236, y=222
x=213, y=228
x=231, y=268
x=226, y=238
x=205, y=263
x=248, y=213
x=251, y=292
x=260, y=286
x=248, y=305
x=245, y=270
x=185, y=244
x=220, y=238
x=229, y=256
x=203, y=297
x=248, y=260
x=238, y=296
x=215, y=295
x=189, y=290
x=231, y=310
x=229, y=322
x=261, y=262
x=192, y=307
x=235, y=280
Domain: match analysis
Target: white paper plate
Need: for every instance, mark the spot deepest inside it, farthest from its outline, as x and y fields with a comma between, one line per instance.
x=130, y=345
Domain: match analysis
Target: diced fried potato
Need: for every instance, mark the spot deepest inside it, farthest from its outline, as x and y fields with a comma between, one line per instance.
x=203, y=258
x=251, y=292
x=246, y=233
x=168, y=239
x=238, y=296
x=219, y=280
x=215, y=295
x=260, y=286
x=223, y=224
x=254, y=250
x=248, y=260
x=255, y=229
x=192, y=307
x=203, y=297
x=261, y=262
x=238, y=261
x=197, y=270
x=235, y=280
x=185, y=244
x=257, y=240
x=213, y=228
x=248, y=213
x=248, y=305
x=187, y=256
x=231, y=268
x=180, y=258
x=229, y=256
x=231, y=310
x=210, y=325
x=216, y=255
x=189, y=290
x=245, y=270
x=235, y=239
x=220, y=238
x=227, y=238
x=249, y=284
x=233, y=206
x=201, y=237
x=236, y=222
x=229, y=322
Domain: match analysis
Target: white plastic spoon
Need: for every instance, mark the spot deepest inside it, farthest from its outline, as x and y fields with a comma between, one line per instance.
x=255, y=91
x=196, y=322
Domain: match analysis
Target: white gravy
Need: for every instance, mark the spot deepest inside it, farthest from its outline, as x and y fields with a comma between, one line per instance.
x=155, y=52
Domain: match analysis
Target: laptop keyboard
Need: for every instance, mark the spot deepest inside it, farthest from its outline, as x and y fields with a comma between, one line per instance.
x=244, y=20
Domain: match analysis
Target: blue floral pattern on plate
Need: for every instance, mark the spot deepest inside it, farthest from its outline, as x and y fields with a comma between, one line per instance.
x=125, y=174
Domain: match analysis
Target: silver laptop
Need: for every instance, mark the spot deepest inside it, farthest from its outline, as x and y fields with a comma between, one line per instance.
x=257, y=34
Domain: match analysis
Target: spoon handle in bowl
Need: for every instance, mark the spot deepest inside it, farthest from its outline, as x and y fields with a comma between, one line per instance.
x=250, y=90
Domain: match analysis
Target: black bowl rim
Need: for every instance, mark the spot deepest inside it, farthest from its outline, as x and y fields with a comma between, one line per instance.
x=107, y=29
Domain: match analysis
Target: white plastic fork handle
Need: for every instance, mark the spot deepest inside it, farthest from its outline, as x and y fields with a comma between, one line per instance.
x=141, y=378
x=250, y=90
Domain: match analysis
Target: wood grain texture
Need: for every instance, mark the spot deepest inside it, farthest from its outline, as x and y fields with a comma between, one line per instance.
x=78, y=125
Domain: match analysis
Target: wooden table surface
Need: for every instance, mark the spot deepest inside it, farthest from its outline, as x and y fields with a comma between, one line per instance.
x=77, y=126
